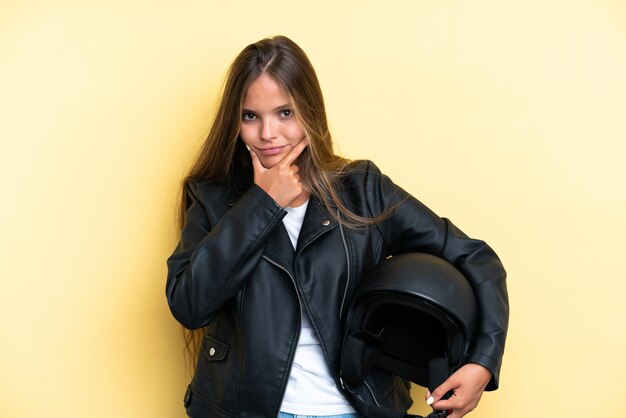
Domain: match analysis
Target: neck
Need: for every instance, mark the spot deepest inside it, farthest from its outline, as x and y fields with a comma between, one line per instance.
x=299, y=201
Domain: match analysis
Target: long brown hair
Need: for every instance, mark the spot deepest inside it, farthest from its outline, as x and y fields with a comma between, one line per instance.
x=223, y=156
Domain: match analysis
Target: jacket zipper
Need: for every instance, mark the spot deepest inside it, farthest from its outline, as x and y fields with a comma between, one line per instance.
x=345, y=247
x=369, y=388
x=243, y=295
x=343, y=239
x=343, y=300
x=371, y=392
x=345, y=294
x=293, y=280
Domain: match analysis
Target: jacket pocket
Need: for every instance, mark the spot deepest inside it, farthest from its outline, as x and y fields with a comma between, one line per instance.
x=217, y=375
x=214, y=349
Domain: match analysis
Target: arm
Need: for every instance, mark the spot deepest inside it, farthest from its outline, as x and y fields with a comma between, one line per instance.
x=415, y=228
x=212, y=262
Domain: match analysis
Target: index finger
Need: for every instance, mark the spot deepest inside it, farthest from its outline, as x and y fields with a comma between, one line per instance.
x=295, y=152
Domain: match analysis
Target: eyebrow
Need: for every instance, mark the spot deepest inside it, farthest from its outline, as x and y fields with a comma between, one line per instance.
x=286, y=105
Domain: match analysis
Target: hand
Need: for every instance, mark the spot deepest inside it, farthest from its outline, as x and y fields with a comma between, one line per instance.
x=282, y=181
x=468, y=384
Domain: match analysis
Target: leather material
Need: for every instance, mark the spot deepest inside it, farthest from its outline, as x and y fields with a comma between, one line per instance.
x=235, y=273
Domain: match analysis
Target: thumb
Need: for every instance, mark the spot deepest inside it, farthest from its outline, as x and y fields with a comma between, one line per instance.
x=256, y=164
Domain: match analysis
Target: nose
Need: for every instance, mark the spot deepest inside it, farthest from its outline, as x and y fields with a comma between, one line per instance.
x=268, y=129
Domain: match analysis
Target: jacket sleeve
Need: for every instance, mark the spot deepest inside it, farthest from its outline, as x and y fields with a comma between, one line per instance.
x=415, y=228
x=212, y=262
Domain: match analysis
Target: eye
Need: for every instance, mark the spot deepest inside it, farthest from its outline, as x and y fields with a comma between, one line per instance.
x=286, y=113
x=248, y=116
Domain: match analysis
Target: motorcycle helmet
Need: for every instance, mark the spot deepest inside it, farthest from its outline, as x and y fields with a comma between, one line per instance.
x=414, y=315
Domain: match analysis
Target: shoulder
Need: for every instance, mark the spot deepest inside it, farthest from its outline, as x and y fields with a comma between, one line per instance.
x=208, y=193
x=360, y=168
x=204, y=186
x=365, y=183
x=361, y=173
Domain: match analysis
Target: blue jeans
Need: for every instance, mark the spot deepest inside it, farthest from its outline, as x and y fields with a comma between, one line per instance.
x=286, y=415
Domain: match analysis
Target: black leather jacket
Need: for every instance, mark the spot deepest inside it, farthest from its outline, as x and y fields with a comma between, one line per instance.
x=235, y=272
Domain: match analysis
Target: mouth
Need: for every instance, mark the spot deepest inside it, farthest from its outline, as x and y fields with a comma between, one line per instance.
x=271, y=150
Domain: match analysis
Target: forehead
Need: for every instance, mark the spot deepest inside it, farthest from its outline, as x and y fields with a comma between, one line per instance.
x=264, y=92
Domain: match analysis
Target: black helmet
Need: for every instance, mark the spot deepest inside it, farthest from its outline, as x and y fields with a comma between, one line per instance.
x=413, y=315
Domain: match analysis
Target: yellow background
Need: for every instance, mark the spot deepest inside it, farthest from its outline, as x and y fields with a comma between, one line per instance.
x=505, y=116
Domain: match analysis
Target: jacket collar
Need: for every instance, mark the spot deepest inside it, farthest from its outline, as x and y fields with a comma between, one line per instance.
x=316, y=223
x=279, y=248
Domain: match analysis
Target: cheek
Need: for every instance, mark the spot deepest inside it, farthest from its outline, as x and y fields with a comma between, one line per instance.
x=295, y=133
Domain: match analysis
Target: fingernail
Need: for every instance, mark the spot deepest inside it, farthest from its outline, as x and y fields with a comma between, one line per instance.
x=248, y=146
x=429, y=401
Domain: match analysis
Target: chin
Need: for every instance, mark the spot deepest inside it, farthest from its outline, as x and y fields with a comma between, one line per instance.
x=270, y=162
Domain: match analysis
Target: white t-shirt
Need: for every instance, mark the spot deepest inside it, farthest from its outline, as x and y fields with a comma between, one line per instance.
x=311, y=389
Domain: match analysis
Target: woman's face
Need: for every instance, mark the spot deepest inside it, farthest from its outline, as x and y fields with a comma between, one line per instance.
x=268, y=125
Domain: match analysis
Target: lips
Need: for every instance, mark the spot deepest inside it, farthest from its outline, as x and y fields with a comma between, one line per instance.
x=272, y=150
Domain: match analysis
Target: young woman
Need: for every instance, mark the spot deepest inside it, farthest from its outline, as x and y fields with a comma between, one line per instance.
x=277, y=231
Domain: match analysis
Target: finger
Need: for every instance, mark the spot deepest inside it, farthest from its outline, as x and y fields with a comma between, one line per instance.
x=295, y=152
x=256, y=163
x=444, y=388
x=452, y=403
